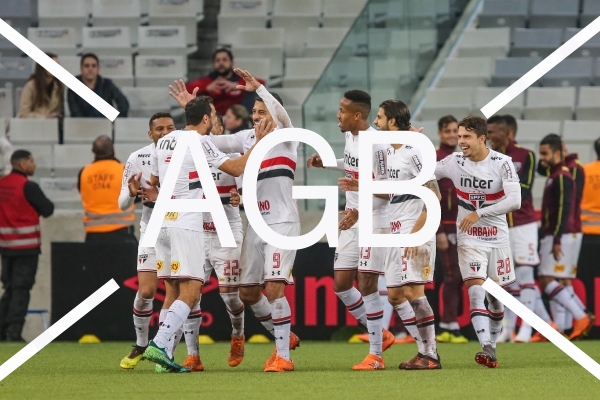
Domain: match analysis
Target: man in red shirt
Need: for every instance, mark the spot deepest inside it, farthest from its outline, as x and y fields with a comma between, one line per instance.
x=221, y=84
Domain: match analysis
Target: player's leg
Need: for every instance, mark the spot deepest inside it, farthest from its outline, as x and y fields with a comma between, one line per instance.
x=388, y=309
x=344, y=274
x=425, y=323
x=500, y=269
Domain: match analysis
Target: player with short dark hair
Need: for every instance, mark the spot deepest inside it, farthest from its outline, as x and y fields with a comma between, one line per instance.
x=511, y=123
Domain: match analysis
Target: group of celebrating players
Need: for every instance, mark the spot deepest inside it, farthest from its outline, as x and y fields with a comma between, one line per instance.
x=488, y=187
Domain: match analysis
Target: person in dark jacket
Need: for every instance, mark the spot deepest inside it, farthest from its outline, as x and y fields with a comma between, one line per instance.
x=103, y=87
x=21, y=203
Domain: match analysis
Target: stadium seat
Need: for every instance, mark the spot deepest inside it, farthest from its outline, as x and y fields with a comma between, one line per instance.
x=591, y=10
x=163, y=40
x=118, y=68
x=454, y=101
x=63, y=192
x=159, y=70
x=72, y=64
x=490, y=42
x=550, y=103
x=292, y=96
x=15, y=70
x=178, y=13
x=123, y=150
x=484, y=95
x=33, y=130
x=16, y=13
x=106, y=41
x=570, y=72
x=535, y=42
x=131, y=130
x=61, y=41
x=392, y=71
x=466, y=71
x=295, y=114
x=43, y=156
x=7, y=107
x=322, y=42
x=554, y=13
x=259, y=67
x=589, y=48
x=588, y=104
x=508, y=70
x=295, y=16
x=377, y=41
x=579, y=137
x=74, y=13
x=70, y=158
x=7, y=48
x=496, y=13
x=261, y=43
x=430, y=130
x=303, y=72
x=341, y=13
x=117, y=13
x=533, y=131
x=143, y=102
x=85, y=130
x=419, y=45
x=237, y=14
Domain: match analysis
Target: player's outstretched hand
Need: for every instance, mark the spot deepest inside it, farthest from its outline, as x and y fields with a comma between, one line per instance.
x=557, y=251
x=263, y=128
x=350, y=218
x=251, y=82
x=148, y=194
x=235, y=198
x=180, y=93
x=134, y=183
x=413, y=129
x=314, y=161
x=469, y=221
x=348, y=184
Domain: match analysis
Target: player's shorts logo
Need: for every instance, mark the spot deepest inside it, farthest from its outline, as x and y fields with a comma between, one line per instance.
x=142, y=258
x=475, y=266
x=174, y=266
x=477, y=199
x=159, y=265
x=426, y=272
x=559, y=268
x=335, y=257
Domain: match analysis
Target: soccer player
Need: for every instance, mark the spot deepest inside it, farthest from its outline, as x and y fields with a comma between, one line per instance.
x=137, y=170
x=522, y=223
x=446, y=252
x=488, y=187
x=180, y=245
x=262, y=263
x=351, y=261
x=511, y=124
x=559, y=239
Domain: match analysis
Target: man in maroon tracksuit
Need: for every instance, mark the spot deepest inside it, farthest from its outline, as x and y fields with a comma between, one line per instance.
x=522, y=225
x=558, y=239
x=446, y=254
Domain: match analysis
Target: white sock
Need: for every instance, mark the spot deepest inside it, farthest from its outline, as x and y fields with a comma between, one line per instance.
x=388, y=309
x=558, y=315
x=355, y=303
x=540, y=307
x=510, y=318
x=191, y=330
x=142, y=312
x=407, y=315
x=496, y=314
x=526, y=280
x=172, y=346
x=235, y=309
x=568, y=315
x=479, y=315
x=556, y=292
x=162, y=316
x=374, y=310
x=425, y=325
x=282, y=321
x=176, y=315
x=262, y=312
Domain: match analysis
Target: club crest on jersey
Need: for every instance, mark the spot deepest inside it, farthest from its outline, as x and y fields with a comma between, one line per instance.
x=142, y=258
x=477, y=199
x=475, y=266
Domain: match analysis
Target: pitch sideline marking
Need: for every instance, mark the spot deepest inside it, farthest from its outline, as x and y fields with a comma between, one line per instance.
x=542, y=327
x=57, y=328
x=58, y=71
x=541, y=69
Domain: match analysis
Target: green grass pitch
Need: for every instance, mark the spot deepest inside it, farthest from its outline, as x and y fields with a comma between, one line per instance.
x=91, y=371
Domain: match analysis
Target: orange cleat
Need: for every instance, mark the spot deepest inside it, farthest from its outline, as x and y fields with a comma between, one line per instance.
x=236, y=353
x=388, y=340
x=539, y=338
x=194, y=364
x=405, y=340
x=370, y=363
x=582, y=326
x=294, y=343
x=280, y=364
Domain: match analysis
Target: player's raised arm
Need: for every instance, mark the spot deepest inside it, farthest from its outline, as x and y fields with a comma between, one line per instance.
x=442, y=167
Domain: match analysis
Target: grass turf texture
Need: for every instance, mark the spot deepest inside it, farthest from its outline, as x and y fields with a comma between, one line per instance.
x=91, y=371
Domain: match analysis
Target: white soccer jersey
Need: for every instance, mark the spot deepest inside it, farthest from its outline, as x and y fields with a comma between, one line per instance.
x=188, y=182
x=138, y=161
x=224, y=183
x=380, y=206
x=404, y=164
x=478, y=185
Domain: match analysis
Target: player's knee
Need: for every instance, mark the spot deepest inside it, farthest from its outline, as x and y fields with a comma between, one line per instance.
x=367, y=284
x=524, y=275
x=545, y=280
x=274, y=290
x=396, y=298
x=250, y=295
x=146, y=292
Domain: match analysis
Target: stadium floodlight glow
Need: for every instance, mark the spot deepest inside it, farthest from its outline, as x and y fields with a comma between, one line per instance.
x=58, y=328
x=329, y=222
x=368, y=187
x=542, y=68
x=58, y=71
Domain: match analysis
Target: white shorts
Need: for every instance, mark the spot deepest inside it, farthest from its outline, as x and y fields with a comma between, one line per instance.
x=563, y=268
x=372, y=259
x=180, y=254
x=224, y=260
x=347, y=252
x=486, y=262
x=578, y=239
x=399, y=271
x=524, y=243
x=262, y=262
x=146, y=259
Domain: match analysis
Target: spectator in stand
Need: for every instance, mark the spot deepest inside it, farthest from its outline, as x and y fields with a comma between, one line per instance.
x=218, y=128
x=42, y=95
x=236, y=119
x=103, y=87
x=222, y=84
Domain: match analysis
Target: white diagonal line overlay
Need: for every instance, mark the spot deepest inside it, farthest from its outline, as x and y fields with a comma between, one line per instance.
x=541, y=69
x=550, y=333
x=58, y=71
x=59, y=327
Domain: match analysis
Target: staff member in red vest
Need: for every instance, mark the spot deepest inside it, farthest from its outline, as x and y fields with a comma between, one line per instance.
x=100, y=185
x=21, y=204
